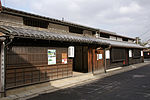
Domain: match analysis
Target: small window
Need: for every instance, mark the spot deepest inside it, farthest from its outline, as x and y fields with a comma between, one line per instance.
x=35, y=22
x=75, y=30
x=125, y=39
x=104, y=35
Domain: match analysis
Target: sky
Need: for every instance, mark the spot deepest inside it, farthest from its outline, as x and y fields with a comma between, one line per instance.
x=125, y=17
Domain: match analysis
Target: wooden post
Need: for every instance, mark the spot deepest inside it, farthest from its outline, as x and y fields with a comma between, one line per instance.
x=105, y=60
x=2, y=73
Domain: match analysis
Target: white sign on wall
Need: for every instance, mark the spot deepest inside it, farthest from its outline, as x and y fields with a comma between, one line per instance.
x=71, y=51
x=100, y=56
x=130, y=53
x=107, y=54
x=51, y=56
x=142, y=53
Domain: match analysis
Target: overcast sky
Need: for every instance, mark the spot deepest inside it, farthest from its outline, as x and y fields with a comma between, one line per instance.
x=125, y=17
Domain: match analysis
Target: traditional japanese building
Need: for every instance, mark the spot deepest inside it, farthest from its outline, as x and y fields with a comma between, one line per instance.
x=37, y=49
x=122, y=50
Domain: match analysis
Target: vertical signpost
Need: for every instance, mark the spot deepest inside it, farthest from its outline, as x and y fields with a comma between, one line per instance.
x=2, y=70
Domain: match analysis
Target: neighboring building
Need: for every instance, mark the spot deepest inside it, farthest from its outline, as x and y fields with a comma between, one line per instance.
x=146, y=53
x=122, y=51
x=37, y=49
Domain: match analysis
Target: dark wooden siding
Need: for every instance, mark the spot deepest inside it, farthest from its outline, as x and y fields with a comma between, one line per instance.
x=118, y=54
x=90, y=60
x=136, y=53
x=110, y=63
x=81, y=59
x=98, y=62
x=136, y=60
x=28, y=65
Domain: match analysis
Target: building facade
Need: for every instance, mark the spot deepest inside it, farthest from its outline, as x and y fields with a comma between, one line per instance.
x=37, y=49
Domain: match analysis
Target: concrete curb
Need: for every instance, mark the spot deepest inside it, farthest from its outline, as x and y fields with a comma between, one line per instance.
x=72, y=82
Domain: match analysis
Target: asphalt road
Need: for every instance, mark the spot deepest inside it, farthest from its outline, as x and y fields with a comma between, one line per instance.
x=131, y=85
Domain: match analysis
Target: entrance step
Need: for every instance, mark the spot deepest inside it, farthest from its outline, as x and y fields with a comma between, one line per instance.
x=72, y=80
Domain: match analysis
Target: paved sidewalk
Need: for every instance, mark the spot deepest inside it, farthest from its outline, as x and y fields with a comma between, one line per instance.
x=70, y=82
x=130, y=85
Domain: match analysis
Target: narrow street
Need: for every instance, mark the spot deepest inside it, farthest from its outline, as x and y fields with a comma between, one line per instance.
x=131, y=85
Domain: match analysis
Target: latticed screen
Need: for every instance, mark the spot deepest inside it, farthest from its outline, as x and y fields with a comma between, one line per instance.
x=118, y=54
x=35, y=22
x=29, y=65
x=136, y=53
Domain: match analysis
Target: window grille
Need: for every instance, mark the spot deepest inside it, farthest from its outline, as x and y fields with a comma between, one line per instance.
x=35, y=22
x=118, y=54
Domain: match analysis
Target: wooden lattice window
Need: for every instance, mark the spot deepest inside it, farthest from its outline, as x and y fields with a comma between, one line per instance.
x=118, y=54
x=35, y=22
x=104, y=35
x=136, y=53
x=75, y=30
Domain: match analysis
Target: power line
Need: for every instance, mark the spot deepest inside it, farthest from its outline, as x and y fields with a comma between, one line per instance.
x=144, y=33
x=147, y=37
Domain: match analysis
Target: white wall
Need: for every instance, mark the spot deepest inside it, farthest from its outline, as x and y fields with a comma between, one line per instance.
x=11, y=19
x=112, y=37
x=130, y=41
x=86, y=32
x=119, y=39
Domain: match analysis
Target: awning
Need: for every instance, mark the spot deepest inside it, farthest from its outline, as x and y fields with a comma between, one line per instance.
x=45, y=34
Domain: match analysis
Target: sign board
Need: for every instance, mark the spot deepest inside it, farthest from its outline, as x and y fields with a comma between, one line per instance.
x=71, y=51
x=99, y=56
x=142, y=53
x=130, y=53
x=107, y=54
x=51, y=56
x=64, y=58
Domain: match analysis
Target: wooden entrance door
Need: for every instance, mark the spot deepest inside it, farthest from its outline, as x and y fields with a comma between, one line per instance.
x=127, y=57
x=98, y=61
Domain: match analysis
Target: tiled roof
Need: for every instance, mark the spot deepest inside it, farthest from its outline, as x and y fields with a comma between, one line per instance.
x=22, y=13
x=61, y=36
x=47, y=35
x=124, y=44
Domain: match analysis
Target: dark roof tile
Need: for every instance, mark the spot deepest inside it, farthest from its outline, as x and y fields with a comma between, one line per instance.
x=60, y=36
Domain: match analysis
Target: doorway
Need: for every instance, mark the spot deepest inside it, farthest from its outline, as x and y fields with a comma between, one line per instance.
x=98, y=61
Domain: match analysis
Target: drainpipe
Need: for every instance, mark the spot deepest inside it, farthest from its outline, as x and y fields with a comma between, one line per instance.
x=3, y=64
x=105, y=64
